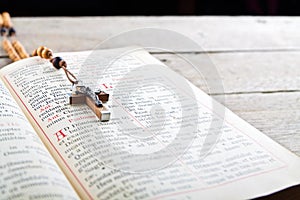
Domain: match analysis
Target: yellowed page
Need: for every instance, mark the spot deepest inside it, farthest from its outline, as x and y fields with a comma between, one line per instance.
x=242, y=163
x=27, y=170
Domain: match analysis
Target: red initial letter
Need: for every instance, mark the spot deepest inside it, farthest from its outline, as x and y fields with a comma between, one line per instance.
x=60, y=135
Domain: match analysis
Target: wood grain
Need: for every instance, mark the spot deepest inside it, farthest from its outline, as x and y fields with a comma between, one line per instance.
x=210, y=33
x=243, y=72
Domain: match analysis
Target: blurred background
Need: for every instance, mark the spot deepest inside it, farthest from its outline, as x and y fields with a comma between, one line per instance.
x=149, y=7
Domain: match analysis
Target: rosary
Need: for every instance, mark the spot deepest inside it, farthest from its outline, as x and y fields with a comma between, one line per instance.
x=80, y=94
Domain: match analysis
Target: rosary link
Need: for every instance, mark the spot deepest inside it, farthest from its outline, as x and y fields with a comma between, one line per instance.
x=57, y=62
x=14, y=48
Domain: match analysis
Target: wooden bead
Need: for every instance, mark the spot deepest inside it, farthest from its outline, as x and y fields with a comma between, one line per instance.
x=3, y=31
x=62, y=63
x=11, y=31
x=6, y=20
x=47, y=53
x=43, y=52
x=12, y=54
x=34, y=53
x=55, y=62
x=40, y=50
x=1, y=20
x=20, y=49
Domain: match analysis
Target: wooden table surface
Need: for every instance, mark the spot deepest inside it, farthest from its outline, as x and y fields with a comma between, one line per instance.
x=258, y=60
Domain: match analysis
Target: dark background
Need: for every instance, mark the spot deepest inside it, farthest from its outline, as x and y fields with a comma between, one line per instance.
x=152, y=7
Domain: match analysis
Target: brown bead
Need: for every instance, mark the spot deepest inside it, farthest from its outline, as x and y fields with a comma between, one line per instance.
x=11, y=31
x=6, y=20
x=40, y=50
x=47, y=53
x=12, y=54
x=34, y=53
x=20, y=49
x=62, y=63
x=56, y=62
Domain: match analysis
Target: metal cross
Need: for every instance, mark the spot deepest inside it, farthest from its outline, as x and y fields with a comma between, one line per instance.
x=95, y=100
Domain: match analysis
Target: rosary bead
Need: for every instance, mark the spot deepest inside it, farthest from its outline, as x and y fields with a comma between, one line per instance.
x=62, y=63
x=6, y=20
x=20, y=49
x=40, y=50
x=55, y=62
x=12, y=54
x=1, y=20
x=47, y=53
x=3, y=31
x=11, y=31
x=34, y=53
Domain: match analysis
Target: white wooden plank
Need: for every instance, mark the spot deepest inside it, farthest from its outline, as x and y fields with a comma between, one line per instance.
x=211, y=33
x=239, y=72
x=4, y=62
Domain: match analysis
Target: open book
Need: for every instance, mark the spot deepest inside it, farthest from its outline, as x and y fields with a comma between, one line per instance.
x=45, y=151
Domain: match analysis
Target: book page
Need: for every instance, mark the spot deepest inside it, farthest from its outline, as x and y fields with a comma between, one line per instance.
x=194, y=148
x=27, y=170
